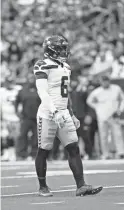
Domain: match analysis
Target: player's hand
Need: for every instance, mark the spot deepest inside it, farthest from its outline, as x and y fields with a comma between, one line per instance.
x=19, y=115
x=88, y=120
x=117, y=114
x=59, y=119
x=76, y=122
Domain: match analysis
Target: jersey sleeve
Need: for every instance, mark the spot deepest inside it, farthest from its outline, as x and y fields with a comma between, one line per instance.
x=42, y=68
x=42, y=88
x=41, y=72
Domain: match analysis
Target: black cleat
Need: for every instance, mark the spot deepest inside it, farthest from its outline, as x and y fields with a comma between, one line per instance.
x=45, y=192
x=88, y=190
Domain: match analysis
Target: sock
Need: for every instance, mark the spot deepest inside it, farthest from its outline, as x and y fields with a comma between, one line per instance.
x=76, y=166
x=41, y=166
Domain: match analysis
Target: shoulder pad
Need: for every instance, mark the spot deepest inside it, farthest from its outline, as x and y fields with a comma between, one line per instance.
x=45, y=64
x=67, y=66
x=40, y=63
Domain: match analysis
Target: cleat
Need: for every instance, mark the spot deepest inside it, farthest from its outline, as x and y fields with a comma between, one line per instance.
x=88, y=190
x=45, y=192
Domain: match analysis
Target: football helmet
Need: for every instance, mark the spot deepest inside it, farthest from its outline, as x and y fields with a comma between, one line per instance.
x=56, y=47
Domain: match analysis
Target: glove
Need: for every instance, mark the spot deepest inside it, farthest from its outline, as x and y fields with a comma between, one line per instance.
x=59, y=119
x=76, y=122
x=88, y=120
x=117, y=114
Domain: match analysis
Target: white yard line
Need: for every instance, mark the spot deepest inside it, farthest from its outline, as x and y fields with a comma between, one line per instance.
x=30, y=174
x=57, y=191
x=119, y=203
x=17, y=163
x=116, y=186
x=68, y=172
x=5, y=168
x=49, y=202
x=66, y=186
x=105, y=187
x=87, y=162
x=19, y=194
x=10, y=186
x=18, y=177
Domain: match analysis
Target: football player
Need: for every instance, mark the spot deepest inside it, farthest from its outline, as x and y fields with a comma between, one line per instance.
x=55, y=116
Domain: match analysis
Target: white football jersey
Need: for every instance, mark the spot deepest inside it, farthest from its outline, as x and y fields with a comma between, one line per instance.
x=58, y=77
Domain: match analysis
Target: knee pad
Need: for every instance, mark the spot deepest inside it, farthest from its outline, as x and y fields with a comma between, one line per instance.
x=73, y=149
x=42, y=153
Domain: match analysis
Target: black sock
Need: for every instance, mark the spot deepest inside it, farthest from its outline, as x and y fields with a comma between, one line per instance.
x=76, y=166
x=41, y=166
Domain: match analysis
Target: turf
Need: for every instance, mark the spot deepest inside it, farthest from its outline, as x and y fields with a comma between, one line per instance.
x=19, y=186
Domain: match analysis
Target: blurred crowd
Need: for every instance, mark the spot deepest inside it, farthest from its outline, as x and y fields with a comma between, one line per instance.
x=98, y=104
x=95, y=30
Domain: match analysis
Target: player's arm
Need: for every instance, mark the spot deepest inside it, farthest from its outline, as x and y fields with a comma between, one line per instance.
x=69, y=107
x=75, y=120
x=41, y=70
x=42, y=88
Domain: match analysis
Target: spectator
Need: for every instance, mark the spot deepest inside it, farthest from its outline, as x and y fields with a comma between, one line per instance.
x=10, y=122
x=30, y=101
x=86, y=115
x=108, y=101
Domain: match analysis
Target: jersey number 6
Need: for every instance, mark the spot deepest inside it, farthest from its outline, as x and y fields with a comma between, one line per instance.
x=64, y=87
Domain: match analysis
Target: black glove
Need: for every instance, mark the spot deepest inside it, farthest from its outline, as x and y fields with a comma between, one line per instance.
x=117, y=114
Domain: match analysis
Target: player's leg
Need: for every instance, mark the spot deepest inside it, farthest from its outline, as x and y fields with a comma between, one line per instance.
x=75, y=163
x=46, y=134
x=68, y=137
